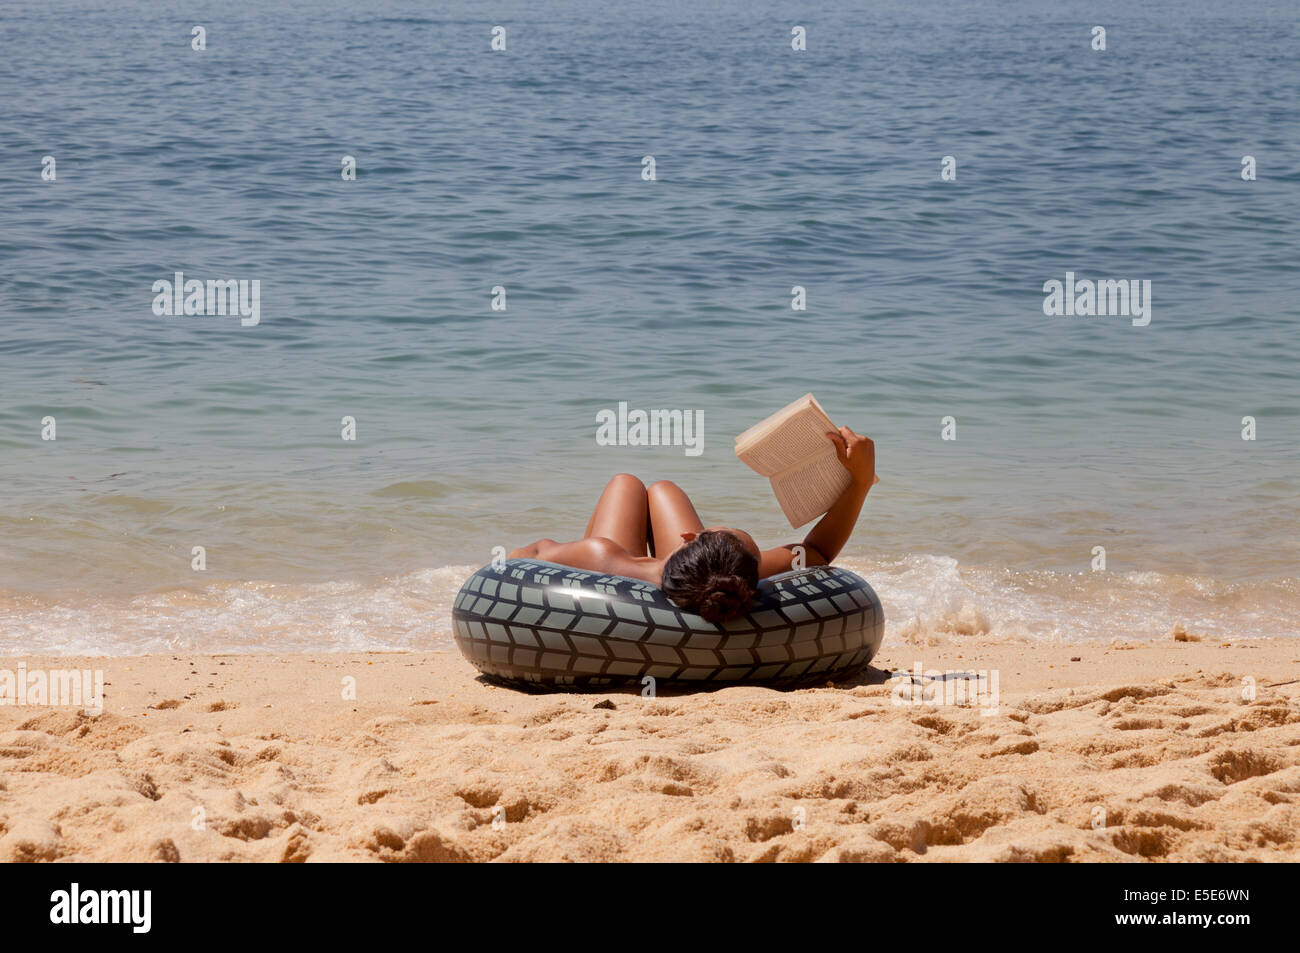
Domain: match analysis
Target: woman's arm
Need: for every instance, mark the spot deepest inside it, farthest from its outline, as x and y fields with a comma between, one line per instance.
x=858, y=455
x=595, y=553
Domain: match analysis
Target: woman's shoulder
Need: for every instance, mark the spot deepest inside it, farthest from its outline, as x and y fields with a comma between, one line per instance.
x=781, y=559
x=610, y=557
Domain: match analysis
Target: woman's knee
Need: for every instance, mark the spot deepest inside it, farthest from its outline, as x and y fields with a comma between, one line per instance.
x=626, y=481
x=661, y=487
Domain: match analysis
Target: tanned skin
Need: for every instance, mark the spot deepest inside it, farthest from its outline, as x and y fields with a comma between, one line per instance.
x=634, y=530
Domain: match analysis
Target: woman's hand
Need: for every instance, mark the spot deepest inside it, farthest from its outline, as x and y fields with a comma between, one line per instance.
x=858, y=454
x=531, y=551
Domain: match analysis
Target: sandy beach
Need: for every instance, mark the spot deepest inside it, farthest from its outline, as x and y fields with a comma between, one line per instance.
x=1095, y=753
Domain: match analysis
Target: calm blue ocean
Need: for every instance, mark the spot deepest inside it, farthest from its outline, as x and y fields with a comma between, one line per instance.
x=523, y=169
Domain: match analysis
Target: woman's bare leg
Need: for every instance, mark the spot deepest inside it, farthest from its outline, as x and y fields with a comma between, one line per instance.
x=621, y=514
x=671, y=514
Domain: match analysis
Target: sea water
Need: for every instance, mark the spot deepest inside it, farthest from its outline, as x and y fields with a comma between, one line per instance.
x=502, y=270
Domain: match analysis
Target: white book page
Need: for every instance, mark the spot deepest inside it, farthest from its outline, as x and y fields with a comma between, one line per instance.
x=799, y=437
x=769, y=424
x=808, y=490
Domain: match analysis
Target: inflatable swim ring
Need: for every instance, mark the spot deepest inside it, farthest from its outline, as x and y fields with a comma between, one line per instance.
x=541, y=624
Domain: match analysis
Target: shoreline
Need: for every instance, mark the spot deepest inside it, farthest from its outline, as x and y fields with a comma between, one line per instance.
x=926, y=598
x=1134, y=752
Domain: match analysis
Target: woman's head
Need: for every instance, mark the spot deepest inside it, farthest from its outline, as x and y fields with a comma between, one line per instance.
x=714, y=575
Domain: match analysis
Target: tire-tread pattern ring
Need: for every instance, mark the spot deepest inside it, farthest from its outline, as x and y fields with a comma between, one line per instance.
x=537, y=624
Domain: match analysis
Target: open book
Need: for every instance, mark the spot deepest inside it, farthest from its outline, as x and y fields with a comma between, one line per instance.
x=792, y=450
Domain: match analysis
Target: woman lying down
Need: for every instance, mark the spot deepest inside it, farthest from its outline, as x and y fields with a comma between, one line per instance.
x=655, y=534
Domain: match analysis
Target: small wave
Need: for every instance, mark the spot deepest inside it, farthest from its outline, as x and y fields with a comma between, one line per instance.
x=927, y=599
x=413, y=489
x=930, y=598
x=406, y=612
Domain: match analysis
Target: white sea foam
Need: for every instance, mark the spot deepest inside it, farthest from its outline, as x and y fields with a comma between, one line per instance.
x=929, y=597
x=926, y=598
x=410, y=611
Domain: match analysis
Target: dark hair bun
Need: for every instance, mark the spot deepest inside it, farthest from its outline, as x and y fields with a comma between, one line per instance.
x=713, y=576
x=725, y=598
